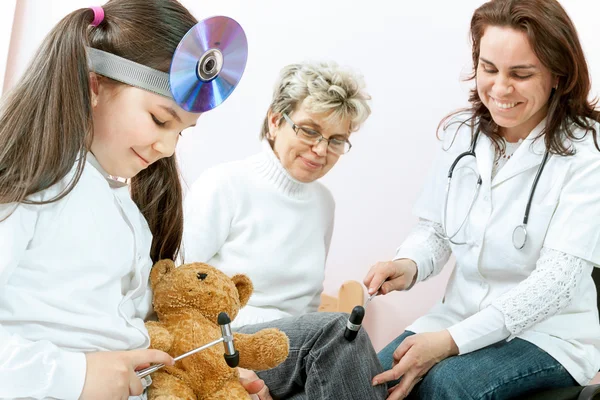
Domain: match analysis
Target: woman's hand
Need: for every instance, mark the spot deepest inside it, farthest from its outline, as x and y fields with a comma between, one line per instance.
x=416, y=355
x=111, y=374
x=397, y=275
x=254, y=385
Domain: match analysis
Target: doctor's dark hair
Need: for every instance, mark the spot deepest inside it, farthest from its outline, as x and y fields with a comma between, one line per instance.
x=555, y=42
x=46, y=120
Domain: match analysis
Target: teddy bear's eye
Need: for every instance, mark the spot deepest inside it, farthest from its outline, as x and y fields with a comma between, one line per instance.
x=201, y=276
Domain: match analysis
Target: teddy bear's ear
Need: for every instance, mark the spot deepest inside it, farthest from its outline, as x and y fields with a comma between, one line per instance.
x=159, y=270
x=244, y=287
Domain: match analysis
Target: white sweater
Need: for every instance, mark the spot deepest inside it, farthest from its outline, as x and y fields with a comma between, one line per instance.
x=252, y=217
x=73, y=279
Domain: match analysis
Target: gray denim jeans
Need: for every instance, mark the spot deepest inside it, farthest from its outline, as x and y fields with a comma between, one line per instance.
x=322, y=365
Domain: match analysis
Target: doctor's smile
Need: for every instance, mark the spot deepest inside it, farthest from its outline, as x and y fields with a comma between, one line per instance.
x=505, y=105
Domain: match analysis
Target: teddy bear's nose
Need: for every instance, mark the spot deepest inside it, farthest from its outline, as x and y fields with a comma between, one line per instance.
x=201, y=276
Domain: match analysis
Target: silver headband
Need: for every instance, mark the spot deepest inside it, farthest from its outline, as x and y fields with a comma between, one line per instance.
x=129, y=72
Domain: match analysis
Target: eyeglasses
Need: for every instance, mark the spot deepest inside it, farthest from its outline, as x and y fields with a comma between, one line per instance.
x=337, y=144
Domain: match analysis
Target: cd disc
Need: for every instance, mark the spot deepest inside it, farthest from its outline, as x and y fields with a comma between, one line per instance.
x=208, y=64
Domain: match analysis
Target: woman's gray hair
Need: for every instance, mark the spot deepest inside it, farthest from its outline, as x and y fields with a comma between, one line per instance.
x=324, y=87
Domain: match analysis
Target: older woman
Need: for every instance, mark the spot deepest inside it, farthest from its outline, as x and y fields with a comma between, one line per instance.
x=268, y=216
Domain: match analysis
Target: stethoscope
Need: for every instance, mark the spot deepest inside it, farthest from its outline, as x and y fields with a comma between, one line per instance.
x=519, y=236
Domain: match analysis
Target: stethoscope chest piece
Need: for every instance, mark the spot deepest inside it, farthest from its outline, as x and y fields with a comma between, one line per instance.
x=519, y=236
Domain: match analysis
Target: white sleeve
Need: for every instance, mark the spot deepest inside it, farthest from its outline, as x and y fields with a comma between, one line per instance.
x=426, y=248
x=544, y=293
x=207, y=218
x=479, y=330
x=31, y=369
x=575, y=228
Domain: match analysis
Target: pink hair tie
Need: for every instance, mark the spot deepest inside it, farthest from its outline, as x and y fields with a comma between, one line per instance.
x=98, y=15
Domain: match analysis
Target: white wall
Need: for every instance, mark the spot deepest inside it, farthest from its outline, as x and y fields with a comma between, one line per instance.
x=413, y=56
x=6, y=18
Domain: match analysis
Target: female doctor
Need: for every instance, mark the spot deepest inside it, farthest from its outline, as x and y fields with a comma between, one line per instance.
x=520, y=215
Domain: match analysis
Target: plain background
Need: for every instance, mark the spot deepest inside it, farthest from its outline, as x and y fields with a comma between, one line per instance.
x=414, y=57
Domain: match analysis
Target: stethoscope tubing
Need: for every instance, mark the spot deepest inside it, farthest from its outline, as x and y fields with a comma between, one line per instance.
x=471, y=153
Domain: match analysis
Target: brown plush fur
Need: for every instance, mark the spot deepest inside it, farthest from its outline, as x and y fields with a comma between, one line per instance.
x=187, y=303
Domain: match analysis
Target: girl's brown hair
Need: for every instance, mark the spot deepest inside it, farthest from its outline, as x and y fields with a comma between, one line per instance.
x=554, y=40
x=46, y=120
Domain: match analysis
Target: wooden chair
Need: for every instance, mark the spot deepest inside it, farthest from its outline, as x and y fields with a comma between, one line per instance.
x=351, y=294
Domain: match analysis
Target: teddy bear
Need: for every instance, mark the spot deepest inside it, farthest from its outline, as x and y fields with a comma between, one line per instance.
x=187, y=301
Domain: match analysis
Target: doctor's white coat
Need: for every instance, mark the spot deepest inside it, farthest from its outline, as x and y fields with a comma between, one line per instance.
x=564, y=216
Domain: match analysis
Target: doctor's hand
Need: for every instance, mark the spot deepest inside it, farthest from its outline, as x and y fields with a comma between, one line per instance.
x=399, y=275
x=415, y=356
x=111, y=374
x=254, y=385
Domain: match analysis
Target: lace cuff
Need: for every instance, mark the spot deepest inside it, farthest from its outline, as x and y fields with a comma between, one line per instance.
x=426, y=248
x=547, y=291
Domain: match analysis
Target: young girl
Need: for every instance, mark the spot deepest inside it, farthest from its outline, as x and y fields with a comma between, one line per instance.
x=76, y=245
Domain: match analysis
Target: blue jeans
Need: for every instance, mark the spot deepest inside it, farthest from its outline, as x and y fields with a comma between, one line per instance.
x=501, y=371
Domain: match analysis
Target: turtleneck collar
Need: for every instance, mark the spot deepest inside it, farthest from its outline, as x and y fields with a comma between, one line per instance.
x=112, y=181
x=269, y=167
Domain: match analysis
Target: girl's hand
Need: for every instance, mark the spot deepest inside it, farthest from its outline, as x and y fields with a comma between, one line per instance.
x=111, y=374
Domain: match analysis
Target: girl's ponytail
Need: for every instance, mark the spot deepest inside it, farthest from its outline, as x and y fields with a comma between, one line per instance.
x=46, y=120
